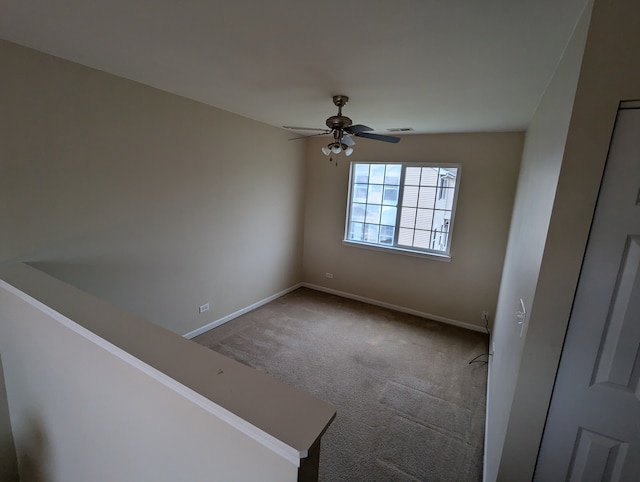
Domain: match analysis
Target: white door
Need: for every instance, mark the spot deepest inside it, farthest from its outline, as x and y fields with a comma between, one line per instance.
x=593, y=428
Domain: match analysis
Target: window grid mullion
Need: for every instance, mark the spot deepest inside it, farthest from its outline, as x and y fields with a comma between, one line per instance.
x=432, y=238
x=396, y=233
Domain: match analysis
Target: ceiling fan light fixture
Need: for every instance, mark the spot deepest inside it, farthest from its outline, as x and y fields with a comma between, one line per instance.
x=348, y=151
x=326, y=150
x=335, y=148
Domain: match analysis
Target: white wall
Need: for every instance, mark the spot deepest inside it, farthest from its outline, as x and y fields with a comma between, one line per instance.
x=489, y=168
x=151, y=201
x=80, y=411
x=541, y=161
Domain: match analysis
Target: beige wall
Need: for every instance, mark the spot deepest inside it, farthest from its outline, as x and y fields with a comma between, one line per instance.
x=610, y=73
x=83, y=412
x=151, y=201
x=489, y=162
x=541, y=161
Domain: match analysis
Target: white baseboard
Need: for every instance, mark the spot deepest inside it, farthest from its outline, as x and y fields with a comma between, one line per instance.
x=223, y=320
x=421, y=314
x=402, y=309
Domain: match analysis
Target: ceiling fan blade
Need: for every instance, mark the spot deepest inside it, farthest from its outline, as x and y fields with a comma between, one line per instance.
x=347, y=140
x=357, y=128
x=293, y=128
x=310, y=135
x=377, y=137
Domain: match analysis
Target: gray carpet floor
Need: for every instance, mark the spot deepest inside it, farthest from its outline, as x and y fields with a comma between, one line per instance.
x=409, y=405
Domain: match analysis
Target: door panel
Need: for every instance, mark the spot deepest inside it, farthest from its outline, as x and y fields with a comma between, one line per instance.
x=597, y=457
x=618, y=363
x=593, y=427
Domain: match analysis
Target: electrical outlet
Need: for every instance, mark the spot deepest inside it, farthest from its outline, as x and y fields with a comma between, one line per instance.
x=329, y=275
x=203, y=308
x=484, y=316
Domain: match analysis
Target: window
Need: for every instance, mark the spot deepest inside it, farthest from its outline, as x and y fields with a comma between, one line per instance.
x=402, y=206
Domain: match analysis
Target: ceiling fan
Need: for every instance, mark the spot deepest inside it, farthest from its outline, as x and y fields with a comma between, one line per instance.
x=342, y=129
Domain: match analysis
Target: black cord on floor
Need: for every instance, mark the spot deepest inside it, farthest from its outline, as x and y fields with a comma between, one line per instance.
x=475, y=358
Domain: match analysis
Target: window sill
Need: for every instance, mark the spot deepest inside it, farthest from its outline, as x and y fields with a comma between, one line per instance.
x=407, y=252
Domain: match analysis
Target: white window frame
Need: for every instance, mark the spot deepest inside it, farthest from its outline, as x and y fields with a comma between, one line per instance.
x=441, y=255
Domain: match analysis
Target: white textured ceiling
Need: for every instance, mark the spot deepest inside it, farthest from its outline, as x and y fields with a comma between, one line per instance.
x=433, y=65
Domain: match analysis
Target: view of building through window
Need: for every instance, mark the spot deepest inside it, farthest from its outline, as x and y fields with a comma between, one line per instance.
x=403, y=206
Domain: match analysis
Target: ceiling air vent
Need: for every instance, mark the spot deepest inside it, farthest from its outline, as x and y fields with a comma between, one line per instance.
x=400, y=129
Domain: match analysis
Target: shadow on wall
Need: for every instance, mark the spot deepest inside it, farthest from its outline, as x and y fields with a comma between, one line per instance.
x=33, y=452
x=8, y=460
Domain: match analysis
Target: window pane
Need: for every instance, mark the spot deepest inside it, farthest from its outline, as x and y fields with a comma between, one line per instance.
x=424, y=219
x=392, y=176
x=371, y=233
x=446, y=201
x=422, y=239
x=408, y=217
x=386, y=235
x=427, y=197
x=439, y=240
x=375, y=194
x=376, y=175
x=356, y=231
x=373, y=214
x=405, y=237
x=388, y=216
x=390, y=196
x=360, y=193
x=412, y=176
x=410, y=196
x=361, y=173
x=357, y=212
x=429, y=176
x=441, y=220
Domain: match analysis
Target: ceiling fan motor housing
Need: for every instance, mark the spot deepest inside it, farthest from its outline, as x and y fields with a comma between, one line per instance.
x=340, y=122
